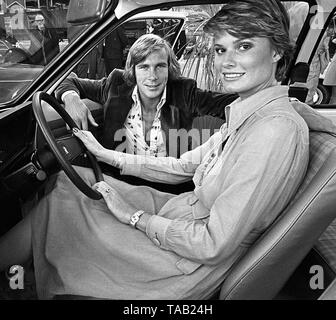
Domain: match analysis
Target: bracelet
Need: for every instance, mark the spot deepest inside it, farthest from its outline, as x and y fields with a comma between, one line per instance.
x=135, y=217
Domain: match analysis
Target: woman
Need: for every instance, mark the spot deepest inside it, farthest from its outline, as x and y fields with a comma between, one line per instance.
x=139, y=243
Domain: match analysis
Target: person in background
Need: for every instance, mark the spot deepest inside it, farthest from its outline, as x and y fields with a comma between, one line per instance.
x=44, y=42
x=298, y=13
x=113, y=49
x=92, y=65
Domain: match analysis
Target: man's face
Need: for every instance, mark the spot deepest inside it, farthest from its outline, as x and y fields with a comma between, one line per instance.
x=39, y=22
x=151, y=76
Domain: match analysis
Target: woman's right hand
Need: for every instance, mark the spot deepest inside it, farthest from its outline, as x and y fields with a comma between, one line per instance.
x=111, y=157
x=89, y=141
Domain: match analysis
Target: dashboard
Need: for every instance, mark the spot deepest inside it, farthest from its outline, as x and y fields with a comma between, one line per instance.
x=26, y=160
x=17, y=127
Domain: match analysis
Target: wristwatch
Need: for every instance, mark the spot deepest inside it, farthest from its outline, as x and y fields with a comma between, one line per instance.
x=135, y=217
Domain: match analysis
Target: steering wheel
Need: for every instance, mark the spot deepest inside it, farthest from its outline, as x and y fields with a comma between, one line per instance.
x=61, y=152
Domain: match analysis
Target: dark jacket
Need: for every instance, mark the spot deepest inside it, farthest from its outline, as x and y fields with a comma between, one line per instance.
x=44, y=46
x=184, y=102
x=115, y=43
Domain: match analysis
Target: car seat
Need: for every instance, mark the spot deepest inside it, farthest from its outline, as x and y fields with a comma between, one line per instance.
x=264, y=269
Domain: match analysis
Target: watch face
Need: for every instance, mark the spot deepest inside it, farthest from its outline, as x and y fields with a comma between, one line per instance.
x=135, y=218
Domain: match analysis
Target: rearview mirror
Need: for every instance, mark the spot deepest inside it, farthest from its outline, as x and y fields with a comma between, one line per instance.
x=85, y=11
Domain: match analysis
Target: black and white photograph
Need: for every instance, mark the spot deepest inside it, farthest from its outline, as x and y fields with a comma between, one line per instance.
x=169, y=156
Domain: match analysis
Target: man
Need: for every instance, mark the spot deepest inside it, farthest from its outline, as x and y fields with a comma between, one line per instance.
x=145, y=103
x=43, y=42
x=149, y=94
x=114, y=46
x=92, y=65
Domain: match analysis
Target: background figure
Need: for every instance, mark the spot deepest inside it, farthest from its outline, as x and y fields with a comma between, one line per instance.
x=317, y=66
x=149, y=26
x=298, y=14
x=332, y=35
x=44, y=42
x=92, y=65
x=115, y=43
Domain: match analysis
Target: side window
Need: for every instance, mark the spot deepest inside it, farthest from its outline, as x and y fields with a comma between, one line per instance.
x=35, y=30
x=112, y=52
x=32, y=33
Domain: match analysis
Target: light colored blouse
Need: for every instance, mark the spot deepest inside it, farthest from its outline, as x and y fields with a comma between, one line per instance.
x=240, y=189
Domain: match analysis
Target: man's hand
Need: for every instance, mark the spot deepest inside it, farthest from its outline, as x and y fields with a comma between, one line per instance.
x=78, y=111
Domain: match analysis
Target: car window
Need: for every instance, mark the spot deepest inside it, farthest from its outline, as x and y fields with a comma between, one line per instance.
x=25, y=50
x=113, y=50
x=198, y=56
x=32, y=33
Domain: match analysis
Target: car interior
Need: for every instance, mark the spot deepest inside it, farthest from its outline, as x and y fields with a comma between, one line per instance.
x=35, y=142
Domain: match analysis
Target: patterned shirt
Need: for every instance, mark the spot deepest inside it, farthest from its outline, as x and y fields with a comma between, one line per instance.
x=134, y=125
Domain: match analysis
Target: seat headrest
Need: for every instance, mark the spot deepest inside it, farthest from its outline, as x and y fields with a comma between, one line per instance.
x=299, y=73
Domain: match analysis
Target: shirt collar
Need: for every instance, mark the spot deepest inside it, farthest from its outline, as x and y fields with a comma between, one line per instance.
x=240, y=110
x=137, y=101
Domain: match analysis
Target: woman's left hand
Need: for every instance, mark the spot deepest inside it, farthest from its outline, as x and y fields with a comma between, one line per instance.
x=115, y=202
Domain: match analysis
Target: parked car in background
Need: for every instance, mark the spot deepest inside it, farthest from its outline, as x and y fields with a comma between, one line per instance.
x=4, y=47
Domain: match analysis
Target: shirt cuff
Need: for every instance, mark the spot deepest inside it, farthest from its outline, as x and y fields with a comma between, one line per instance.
x=130, y=164
x=156, y=230
x=64, y=94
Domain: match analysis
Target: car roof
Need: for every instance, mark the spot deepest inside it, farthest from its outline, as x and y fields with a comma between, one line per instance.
x=159, y=14
x=125, y=6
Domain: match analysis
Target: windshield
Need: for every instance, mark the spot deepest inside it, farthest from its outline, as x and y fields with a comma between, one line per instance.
x=32, y=33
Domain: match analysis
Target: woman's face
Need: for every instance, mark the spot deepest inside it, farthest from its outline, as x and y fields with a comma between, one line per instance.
x=245, y=65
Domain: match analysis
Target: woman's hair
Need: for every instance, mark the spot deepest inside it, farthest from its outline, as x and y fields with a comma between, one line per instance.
x=256, y=18
x=142, y=48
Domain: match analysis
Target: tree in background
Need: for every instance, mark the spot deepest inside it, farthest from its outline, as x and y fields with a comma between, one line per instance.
x=198, y=59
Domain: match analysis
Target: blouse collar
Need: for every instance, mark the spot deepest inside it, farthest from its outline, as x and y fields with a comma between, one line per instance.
x=240, y=110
